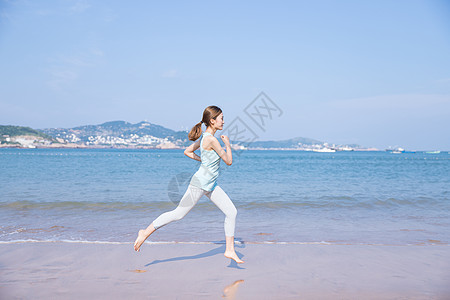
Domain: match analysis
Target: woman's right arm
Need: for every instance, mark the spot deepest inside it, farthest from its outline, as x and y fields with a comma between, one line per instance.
x=226, y=156
x=189, y=152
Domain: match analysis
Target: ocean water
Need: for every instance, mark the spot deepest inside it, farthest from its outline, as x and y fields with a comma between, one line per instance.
x=107, y=195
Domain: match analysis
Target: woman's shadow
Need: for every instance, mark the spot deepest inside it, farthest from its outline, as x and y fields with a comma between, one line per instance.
x=212, y=252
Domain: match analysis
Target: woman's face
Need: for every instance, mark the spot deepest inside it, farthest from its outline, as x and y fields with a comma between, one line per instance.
x=218, y=124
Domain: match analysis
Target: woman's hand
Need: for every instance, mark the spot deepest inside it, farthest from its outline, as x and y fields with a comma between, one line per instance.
x=189, y=152
x=226, y=156
x=225, y=140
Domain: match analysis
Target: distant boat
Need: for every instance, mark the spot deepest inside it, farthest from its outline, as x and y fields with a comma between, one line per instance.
x=345, y=148
x=396, y=150
x=324, y=150
x=399, y=150
x=433, y=152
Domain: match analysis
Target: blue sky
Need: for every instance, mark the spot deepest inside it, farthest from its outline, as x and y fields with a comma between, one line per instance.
x=375, y=73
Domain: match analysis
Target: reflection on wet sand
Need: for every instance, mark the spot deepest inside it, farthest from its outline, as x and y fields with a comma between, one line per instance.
x=230, y=290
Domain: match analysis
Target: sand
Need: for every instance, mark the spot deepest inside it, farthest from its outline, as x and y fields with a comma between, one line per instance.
x=200, y=271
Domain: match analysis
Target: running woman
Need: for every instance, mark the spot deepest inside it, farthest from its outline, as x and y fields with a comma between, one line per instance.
x=204, y=181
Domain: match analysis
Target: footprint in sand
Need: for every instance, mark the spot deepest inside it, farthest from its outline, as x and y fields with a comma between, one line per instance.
x=138, y=271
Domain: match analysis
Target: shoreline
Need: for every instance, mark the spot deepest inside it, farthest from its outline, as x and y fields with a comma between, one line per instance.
x=76, y=146
x=200, y=271
x=236, y=242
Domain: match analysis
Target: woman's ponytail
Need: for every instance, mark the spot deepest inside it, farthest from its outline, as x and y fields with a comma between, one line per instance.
x=195, y=132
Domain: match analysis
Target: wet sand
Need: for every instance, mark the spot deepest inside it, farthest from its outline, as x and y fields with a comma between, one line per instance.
x=200, y=271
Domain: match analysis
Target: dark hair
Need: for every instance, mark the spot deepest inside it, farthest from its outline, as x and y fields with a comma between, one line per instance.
x=211, y=112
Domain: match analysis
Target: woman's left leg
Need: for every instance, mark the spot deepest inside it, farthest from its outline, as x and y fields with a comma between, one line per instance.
x=223, y=202
x=187, y=202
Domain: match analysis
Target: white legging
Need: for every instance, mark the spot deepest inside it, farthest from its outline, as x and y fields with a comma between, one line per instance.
x=191, y=197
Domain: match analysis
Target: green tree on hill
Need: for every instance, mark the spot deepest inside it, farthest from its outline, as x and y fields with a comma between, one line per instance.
x=20, y=130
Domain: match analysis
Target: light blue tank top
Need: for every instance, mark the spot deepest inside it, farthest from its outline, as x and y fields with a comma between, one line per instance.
x=206, y=176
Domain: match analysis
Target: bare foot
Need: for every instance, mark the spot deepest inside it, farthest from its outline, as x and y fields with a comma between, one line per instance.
x=233, y=256
x=139, y=240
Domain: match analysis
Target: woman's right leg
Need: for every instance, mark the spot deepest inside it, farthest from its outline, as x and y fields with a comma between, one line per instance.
x=187, y=202
x=224, y=203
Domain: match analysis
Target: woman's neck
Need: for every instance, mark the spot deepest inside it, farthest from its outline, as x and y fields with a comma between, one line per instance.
x=211, y=130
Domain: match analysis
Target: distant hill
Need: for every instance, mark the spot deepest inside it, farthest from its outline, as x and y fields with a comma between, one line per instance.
x=119, y=130
x=114, y=128
x=13, y=131
x=142, y=135
x=19, y=136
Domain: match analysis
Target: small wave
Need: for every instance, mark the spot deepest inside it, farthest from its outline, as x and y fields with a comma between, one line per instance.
x=320, y=202
x=30, y=230
x=331, y=243
x=345, y=202
x=103, y=242
x=61, y=241
x=84, y=205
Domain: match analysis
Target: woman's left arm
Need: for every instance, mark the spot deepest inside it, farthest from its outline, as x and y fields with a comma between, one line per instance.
x=189, y=152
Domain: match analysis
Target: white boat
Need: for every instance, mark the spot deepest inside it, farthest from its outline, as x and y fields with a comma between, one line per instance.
x=345, y=148
x=433, y=152
x=396, y=150
x=324, y=150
